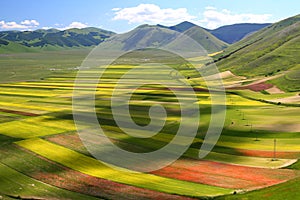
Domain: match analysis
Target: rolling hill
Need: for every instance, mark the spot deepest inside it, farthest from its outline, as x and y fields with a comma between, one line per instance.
x=270, y=51
x=207, y=40
x=142, y=36
x=51, y=39
x=236, y=32
x=155, y=36
x=229, y=33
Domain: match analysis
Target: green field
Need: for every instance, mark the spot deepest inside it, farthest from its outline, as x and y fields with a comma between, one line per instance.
x=159, y=112
x=288, y=190
x=93, y=167
x=16, y=185
x=36, y=112
x=15, y=66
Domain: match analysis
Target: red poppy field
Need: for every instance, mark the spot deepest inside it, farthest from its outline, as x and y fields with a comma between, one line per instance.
x=209, y=172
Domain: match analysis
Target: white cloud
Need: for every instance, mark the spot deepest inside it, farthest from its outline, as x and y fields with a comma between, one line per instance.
x=57, y=24
x=74, y=25
x=30, y=22
x=214, y=18
x=151, y=13
x=47, y=27
x=24, y=25
x=116, y=9
x=210, y=8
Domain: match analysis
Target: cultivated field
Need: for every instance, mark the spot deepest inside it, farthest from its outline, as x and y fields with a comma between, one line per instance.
x=41, y=152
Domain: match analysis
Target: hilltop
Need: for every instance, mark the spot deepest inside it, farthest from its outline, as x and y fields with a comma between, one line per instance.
x=155, y=36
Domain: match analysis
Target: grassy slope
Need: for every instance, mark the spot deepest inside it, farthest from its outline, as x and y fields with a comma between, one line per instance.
x=290, y=82
x=14, y=47
x=209, y=42
x=287, y=190
x=267, y=52
x=141, y=37
x=295, y=166
x=155, y=36
x=53, y=39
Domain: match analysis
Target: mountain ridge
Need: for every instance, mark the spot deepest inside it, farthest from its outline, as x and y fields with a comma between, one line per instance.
x=156, y=36
x=54, y=39
x=235, y=32
x=42, y=39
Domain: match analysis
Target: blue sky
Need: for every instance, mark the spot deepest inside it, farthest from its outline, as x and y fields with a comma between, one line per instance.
x=123, y=15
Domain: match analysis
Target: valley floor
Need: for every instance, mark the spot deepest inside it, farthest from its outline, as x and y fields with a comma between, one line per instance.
x=42, y=155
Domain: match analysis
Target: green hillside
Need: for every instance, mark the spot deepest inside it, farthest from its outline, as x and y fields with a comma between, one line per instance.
x=205, y=39
x=51, y=39
x=142, y=36
x=269, y=51
x=228, y=34
x=151, y=36
x=13, y=47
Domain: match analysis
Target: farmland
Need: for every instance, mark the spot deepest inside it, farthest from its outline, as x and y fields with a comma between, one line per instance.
x=39, y=141
x=25, y=187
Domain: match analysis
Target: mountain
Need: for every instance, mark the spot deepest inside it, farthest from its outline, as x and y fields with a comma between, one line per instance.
x=229, y=33
x=159, y=35
x=234, y=33
x=141, y=37
x=52, y=37
x=182, y=27
x=272, y=50
x=154, y=36
x=205, y=39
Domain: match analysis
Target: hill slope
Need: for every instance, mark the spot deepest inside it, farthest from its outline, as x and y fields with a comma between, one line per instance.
x=44, y=38
x=272, y=50
x=143, y=36
x=229, y=33
x=151, y=36
x=236, y=32
x=205, y=39
x=8, y=46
